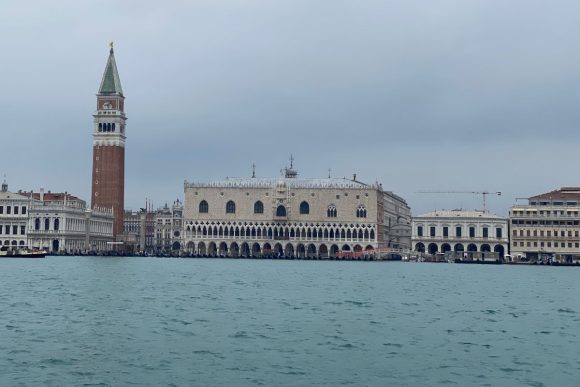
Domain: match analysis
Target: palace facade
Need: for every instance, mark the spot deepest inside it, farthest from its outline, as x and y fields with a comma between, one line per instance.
x=287, y=216
x=62, y=223
x=475, y=234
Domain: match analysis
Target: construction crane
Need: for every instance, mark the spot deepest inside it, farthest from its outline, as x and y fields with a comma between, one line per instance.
x=482, y=193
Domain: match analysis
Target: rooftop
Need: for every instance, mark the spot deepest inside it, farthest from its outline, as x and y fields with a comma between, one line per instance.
x=459, y=214
x=265, y=182
x=111, y=83
x=563, y=193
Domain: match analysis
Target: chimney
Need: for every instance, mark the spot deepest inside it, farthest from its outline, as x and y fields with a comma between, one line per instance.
x=42, y=194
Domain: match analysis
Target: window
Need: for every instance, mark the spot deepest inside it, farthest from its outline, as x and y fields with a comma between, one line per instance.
x=281, y=211
x=14, y=230
x=361, y=212
x=304, y=208
x=458, y=231
x=1, y=209
x=56, y=224
x=46, y=224
x=6, y=230
x=23, y=210
x=22, y=230
x=8, y=209
x=432, y=231
x=472, y=232
x=230, y=207
x=37, y=224
x=331, y=211
x=15, y=210
x=485, y=232
x=420, y=231
x=258, y=207
x=203, y=207
x=445, y=232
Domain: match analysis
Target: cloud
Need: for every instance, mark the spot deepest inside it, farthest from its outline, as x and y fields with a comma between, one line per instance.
x=458, y=95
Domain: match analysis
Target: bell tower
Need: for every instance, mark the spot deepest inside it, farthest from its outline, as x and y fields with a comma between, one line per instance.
x=108, y=183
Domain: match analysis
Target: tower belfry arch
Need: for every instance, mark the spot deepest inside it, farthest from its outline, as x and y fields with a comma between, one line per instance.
x=109, y=135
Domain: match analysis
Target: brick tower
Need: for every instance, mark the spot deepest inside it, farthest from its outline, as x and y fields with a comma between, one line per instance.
x=109, y=146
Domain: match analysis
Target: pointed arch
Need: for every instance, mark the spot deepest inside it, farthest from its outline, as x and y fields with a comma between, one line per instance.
x=230, y=207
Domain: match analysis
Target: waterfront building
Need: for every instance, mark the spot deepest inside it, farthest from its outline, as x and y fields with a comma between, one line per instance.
x=14, y=208
x=290, y=216
x=62, y=223
x=138, y=234
x=397, y=221
x=548, y=227
x=467, y=233
x=108, y=178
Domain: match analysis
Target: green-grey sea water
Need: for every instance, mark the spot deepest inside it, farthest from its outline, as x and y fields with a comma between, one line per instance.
x=69, y=321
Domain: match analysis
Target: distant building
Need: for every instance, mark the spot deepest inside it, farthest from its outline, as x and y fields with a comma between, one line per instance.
x=139, y=230
x=467, y=233
x=155, y=232
x=397, y=219
x=548, y=227
x=14, y=209
x=291, y=216
x=62, y=223
x=168, y=223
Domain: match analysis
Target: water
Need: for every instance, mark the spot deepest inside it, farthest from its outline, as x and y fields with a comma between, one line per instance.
x=209, y=322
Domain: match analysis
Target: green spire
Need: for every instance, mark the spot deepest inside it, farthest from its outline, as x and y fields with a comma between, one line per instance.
x=111, y=83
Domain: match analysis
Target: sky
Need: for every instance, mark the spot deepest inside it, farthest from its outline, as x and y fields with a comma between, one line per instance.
x=446, y=95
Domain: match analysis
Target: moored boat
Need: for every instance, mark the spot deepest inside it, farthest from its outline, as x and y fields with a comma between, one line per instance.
x=23, y=253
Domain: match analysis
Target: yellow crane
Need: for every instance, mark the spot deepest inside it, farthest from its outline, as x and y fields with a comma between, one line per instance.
x=482, y=193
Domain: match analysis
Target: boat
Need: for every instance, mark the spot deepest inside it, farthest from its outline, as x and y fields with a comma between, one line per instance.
x=23, y=253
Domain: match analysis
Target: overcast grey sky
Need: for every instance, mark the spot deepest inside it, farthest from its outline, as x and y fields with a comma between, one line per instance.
x=419, y=95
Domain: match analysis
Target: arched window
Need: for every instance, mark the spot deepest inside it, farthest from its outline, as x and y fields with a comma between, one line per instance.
x=281, y=211
x=361, y=212
x=46, y=224
x=113, y=127
x=56, y=224
x=100, y=126
x=37, y=224
x=258, y=207
x=304, y=208
x=331, y=212
x=230, y=207
x=203, y=207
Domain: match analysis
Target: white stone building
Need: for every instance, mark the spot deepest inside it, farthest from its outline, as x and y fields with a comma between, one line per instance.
x=14, y=209
x=62, y=223
x=287, y=216
x=548, y=227
x=468, y=233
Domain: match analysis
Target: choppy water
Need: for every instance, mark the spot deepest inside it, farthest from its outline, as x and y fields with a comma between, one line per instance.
x=209, y=322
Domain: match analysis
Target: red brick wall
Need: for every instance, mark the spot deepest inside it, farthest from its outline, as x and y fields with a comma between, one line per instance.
x=109, y=182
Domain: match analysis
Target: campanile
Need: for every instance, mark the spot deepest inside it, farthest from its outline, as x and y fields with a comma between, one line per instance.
x=108, y=184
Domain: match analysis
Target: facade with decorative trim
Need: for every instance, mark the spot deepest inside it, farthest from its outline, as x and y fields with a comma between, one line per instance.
x=464, y=232
x=14, y=208
x=286, y=216
x=62, y=223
